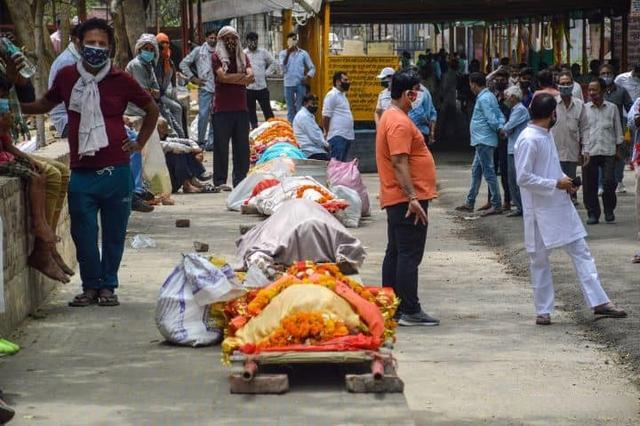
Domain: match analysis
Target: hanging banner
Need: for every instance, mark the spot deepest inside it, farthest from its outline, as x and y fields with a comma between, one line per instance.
x=365, y=87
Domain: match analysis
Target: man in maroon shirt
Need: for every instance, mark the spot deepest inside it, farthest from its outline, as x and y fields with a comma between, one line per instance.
x=231, y=116
x=96, y=96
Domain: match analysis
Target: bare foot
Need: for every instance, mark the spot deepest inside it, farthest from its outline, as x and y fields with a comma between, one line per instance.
x=46, y=234
x=168, y=201
x=43, y=262
x=61, y=263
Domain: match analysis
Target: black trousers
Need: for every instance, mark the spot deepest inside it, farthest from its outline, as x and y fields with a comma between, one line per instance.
x=262, y=97
x=501, y=164
x=323, y=157
x=232, y=126
x=405, y=247
x=590, y=185
x=182, y=167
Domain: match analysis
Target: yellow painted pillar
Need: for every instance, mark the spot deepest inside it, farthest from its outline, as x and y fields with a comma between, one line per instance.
x=287, y=26
x=314, y=38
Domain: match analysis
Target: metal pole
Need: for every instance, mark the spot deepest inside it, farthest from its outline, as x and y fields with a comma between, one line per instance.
x=624, y=64
x=602, y=38
x=585, y=57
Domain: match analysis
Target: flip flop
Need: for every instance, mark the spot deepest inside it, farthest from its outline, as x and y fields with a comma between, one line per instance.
x=84, y=299
x=7, y=347
x=636, y=258
x=107, y=298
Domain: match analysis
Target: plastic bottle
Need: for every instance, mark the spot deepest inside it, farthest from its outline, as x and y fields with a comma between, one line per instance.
x=11, y=50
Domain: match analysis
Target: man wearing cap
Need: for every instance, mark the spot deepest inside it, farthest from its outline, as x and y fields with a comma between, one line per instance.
x=384, y=98
x=630, y=81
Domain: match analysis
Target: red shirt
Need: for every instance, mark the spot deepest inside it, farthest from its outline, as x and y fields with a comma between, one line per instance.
x=117, y=89
x=229, y=97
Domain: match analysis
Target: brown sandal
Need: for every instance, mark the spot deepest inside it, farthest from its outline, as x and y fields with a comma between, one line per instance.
x=86, y=298
x=107, y=297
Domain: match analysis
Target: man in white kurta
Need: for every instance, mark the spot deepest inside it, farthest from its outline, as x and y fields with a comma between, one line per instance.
x=550, y=219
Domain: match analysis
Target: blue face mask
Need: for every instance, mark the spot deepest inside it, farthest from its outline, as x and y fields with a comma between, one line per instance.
x=95, y=56
x=146, y=56
x=4, y=106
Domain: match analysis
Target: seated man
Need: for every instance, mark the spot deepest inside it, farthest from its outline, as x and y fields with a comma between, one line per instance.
x=308, y=133
x=184, y=161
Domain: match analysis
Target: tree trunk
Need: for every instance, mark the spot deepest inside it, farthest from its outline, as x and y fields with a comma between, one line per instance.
x=65, y=24
x=123, y=51
x=135, y=21
x=82, y=10
x=40, y=79
x=22, y=18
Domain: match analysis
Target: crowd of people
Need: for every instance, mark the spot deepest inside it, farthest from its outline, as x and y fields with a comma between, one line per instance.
x=533, y=129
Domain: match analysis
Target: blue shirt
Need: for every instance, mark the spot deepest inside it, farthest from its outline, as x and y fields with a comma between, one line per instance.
x=308, y=133
x=294, y=69
x=58, y=114
x=518, y=121
x=425, y=113
x=487, y=120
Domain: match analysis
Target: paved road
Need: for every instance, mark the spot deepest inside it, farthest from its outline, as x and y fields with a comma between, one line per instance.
x=486, y=363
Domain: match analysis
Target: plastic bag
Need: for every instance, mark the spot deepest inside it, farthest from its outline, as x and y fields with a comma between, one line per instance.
x=347, y=174
x=182, y=311
x=142, y=241
x=349, y=217
x=243, y=190
x=154, y=166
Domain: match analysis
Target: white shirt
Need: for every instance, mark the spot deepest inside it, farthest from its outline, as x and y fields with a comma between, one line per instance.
x=384, y=100
x=571, y=132
x=308, y=134
x=68, y=57
x=605, y=129
x=551, y=209
x=629, y=82
x=261, y=61
x=336, y=107
x=577, y=91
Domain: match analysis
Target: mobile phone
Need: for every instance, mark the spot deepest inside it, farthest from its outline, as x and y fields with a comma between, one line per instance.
x=577, y=182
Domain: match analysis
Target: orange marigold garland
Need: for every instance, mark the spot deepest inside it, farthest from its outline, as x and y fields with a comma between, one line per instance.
x=240, y=311
x=308, y=328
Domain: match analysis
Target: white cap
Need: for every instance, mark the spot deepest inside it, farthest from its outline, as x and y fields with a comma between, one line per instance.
x=386, y=73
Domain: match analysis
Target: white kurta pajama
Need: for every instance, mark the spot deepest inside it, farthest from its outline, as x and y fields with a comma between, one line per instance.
x=550, y=220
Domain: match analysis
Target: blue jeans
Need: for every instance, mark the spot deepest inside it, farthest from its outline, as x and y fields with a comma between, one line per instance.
x=483, y=166
x=513, y=183
x=293, y=96
x=205, y=99
x=136, y=172
x=106, y=192
x=339, y=147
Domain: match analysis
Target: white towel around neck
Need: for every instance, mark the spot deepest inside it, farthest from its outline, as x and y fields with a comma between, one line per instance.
x=85, y=100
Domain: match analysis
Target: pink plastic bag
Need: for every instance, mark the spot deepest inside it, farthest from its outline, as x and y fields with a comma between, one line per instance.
x=347, y=174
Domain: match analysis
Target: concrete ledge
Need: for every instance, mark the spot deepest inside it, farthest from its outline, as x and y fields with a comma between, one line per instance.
x=24, y=288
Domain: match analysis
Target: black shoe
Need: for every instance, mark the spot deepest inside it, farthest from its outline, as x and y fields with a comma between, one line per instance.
x=139, y=205
x=592, y=220
x=147, y=195
x=6, y=412
x=419, y=319
x=610, y=218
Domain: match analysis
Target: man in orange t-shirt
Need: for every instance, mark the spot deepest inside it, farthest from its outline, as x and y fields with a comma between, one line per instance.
x=407, y=183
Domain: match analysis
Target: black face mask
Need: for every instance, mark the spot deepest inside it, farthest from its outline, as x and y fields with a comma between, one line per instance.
x=312, y=109
x=525, y=84
x=345, y=86
x=384, y=84
x=501, y=86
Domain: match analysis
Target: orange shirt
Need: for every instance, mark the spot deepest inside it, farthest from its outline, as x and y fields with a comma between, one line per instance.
x=397, y=135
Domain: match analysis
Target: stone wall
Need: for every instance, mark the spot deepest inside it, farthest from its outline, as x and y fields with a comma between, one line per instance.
x=24, y=288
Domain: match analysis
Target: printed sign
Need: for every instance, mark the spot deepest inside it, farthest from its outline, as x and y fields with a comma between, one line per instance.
x=365, y=87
